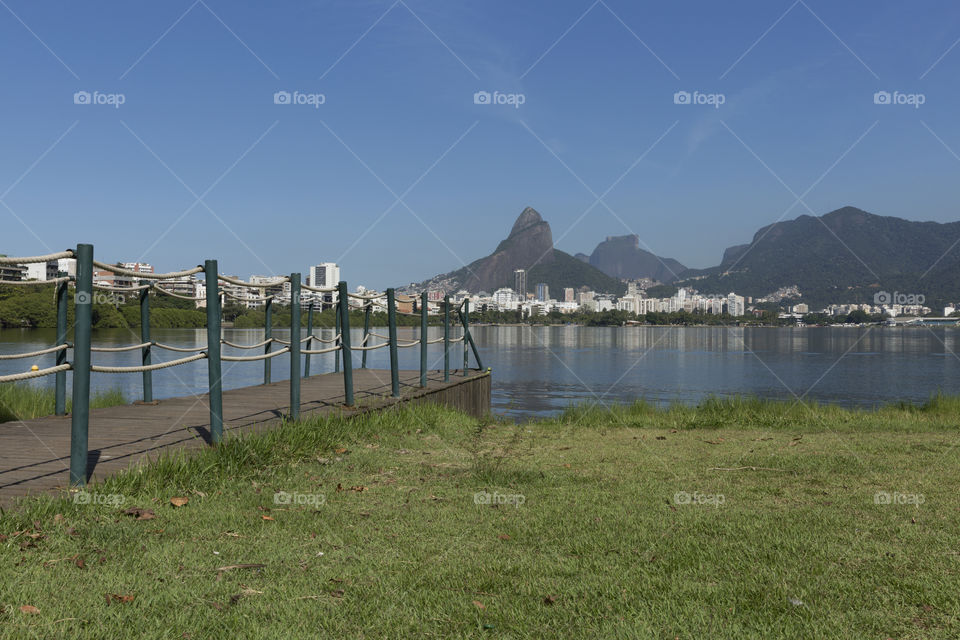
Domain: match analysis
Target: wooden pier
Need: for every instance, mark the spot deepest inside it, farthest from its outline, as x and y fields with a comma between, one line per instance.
x=35, y=454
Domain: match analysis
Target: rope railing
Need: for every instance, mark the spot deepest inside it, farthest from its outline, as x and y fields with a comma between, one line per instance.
x=35, y=283
x=149, y=367
x=316, y=352
x=131, y=347
x=250, y=285
x=27, y=375
x=106, y=287
x=157, y=287
x=120, y=271
x=33, y=354
x=340, y=343
x=35, y=259
x=248, y=346
x=169, y=347
x=262, y=356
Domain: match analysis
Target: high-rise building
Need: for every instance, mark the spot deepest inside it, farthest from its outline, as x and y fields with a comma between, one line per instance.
x=520, y=283
x=569, y=294
x=324, y=275
x=543, y=291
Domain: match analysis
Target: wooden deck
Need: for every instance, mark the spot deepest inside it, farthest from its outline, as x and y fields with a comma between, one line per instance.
x=35, y=454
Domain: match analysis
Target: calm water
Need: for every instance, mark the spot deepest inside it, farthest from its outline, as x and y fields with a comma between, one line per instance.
x=541, y=370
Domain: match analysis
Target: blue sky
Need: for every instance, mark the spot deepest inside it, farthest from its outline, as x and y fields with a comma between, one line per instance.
x=399, y=175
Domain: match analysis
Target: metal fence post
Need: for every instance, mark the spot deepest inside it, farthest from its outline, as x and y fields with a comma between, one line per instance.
x=306, y=359
x=446, y=338
x=345, y=343
x=83, y=318
x=465, y=320
x=366, y=332
x=392, y=325
x=423, y=339
x=267, y=335
x=145, y=355
x=214, y=370
x=294, y=346
x=467, y=338
x=61, y=393
x=337, y=341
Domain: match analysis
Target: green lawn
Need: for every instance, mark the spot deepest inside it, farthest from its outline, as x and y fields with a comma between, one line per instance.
x=738, y=519
x=23, y=402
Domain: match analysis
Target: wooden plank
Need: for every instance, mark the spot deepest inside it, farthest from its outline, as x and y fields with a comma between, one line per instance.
x=35, y=454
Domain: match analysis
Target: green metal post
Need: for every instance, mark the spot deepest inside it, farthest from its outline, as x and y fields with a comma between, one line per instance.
x=423, y=339
x=345, y=343
x=61, y=393
x=145, y=355
x=267, y=335
x=306, y=359
x=83, y=319
x=214, y=371
x=392, y=325
x=465, y=320
x=366, y=332
x=294, y=346
x=446, y=338
x=467, y=338
x=336, y=332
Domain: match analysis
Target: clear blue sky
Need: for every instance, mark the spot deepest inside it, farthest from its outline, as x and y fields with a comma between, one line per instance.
x=282, y=186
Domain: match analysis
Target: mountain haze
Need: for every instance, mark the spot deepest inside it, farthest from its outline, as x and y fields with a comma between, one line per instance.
x=622, y=257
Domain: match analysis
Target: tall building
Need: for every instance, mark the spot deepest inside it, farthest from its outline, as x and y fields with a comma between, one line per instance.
x=543, y=291
x=568, y=295
x=324, y=275
x=520, y=283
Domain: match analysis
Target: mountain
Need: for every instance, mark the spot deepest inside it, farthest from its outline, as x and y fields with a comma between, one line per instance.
x=622, y=257
x=529, y=246
x=847, y=255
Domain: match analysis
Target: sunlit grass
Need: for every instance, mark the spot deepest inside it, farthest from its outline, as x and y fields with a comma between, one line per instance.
x=23, y=402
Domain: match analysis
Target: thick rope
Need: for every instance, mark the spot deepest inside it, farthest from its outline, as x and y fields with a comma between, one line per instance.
x=262, y=356
x=117, y=349
x=247, y=346
x=370, y=348
x=319, y=289
x=34, y=374
x=287, y=342
x=240, y=283
x=357, y=296
x=175, y=295
x=168, y=347
x=149, y=367
x=34, y=259
x=316, y=352
x=328, y=340
x=106, y=287
x=15, y=356
x=146, y=276
x=435, y=341
x=36, y=282
x=404, y=345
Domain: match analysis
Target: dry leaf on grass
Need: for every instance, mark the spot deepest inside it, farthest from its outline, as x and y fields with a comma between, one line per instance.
x=140, y=514
x=479, y=604
x=230, y=567
x=503, y=536
x=29, y=608
x=549, y=600
x=178, y=501
x=266, y=517
x=119, y=598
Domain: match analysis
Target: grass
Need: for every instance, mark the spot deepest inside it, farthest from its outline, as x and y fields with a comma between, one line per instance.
x=738, y=519
x=23, y=402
